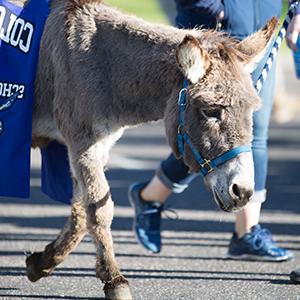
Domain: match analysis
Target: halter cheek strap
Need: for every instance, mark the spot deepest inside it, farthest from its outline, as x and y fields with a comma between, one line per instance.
x=206, y=165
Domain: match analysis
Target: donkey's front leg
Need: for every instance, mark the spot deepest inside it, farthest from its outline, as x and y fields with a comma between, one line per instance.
x=99, y=218
x=41, y=264
x=89, y=169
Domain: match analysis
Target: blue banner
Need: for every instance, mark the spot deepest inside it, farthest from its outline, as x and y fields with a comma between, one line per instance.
x=56, y=174
x=21, y=29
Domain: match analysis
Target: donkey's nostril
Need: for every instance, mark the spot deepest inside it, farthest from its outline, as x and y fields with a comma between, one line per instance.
x=241, y=192
x=236, y=190
x=248, y=194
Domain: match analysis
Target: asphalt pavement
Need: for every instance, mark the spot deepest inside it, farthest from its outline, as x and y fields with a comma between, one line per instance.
x=192, y=264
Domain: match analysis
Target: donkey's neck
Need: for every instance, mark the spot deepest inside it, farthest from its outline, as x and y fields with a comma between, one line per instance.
x=139, y=62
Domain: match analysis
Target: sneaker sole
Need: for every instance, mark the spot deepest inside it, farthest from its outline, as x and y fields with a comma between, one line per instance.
x=258, y=258
x=146, y=250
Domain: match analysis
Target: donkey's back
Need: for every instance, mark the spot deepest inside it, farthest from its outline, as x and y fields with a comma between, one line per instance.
x=94, y=63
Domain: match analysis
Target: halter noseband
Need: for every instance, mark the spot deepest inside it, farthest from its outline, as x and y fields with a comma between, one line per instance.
x=206, y=165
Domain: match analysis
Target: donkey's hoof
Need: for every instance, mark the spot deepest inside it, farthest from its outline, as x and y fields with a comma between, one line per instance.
x=120, y=292
x=33, y=267
x=117, y=289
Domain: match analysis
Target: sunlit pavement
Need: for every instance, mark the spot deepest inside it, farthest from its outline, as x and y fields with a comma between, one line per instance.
x=191, y=264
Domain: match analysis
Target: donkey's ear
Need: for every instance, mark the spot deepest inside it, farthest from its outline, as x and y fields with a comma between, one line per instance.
x=253, y=48
x=192, y=59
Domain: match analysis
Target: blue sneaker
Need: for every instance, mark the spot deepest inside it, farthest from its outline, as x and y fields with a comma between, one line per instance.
x=257, y=245
x=147, y=219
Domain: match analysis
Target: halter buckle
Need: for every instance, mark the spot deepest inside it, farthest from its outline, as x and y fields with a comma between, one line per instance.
x=179, y=129
x=181, y=99
x=207, y=165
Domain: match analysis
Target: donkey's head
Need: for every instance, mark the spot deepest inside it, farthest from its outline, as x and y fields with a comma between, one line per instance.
x=220, y=101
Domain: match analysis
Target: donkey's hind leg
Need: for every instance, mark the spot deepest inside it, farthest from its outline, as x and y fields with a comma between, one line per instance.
x=89, y=171
x=41, y=264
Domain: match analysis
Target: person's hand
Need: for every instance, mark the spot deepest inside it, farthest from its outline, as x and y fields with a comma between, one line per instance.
x=293, y=32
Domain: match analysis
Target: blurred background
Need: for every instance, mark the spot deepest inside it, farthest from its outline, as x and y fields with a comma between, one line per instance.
x=287, y=93
x=195, y=244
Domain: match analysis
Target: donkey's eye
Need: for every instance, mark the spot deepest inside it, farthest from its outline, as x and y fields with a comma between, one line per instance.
x=214, y=113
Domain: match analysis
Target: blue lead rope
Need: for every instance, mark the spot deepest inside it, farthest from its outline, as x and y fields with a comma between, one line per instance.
x=275, y=48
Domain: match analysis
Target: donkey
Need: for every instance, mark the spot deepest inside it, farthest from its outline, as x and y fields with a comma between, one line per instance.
x=101, y=71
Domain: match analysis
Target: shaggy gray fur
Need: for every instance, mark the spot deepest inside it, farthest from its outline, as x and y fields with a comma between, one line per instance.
x=100, y=71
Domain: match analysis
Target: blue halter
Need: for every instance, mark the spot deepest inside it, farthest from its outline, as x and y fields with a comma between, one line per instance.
x=206, y=165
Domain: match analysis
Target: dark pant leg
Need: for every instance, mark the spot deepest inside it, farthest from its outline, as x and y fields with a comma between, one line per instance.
x=174, y=174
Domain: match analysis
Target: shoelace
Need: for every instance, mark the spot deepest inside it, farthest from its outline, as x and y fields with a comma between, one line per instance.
x=261, y=238
x=162, y=209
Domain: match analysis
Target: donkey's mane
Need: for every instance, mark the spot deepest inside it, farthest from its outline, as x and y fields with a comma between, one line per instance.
x=221, y=44
x=81, y=3
x=118, y=20
x=216, y=43
x=73, y=5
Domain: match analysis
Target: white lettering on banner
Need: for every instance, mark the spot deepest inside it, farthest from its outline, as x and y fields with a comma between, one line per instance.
x=5, y=37
x=15, y=31
x=25, y=47
x=8, y=89
x=2, y=15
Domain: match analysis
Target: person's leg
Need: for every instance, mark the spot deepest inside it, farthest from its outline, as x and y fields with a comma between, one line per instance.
x=250, y=240
x=172, y=176
x=155, y=190
x=249, y=216
x=148, y=198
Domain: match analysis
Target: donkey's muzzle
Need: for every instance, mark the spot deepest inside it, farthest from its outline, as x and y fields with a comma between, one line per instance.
x=237, y=197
